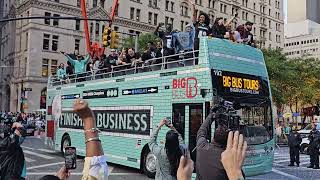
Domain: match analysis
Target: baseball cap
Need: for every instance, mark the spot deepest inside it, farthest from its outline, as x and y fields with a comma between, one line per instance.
x=249, y=23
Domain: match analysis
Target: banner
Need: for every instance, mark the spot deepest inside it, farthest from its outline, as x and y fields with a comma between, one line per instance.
x=129, y=120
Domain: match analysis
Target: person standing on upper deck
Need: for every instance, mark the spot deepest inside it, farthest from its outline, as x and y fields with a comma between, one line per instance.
x=79, y=65
x=201, y=26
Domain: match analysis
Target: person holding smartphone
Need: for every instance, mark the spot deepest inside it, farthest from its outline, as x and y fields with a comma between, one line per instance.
x=95, y=166
x=12, y=162
x=168, y=157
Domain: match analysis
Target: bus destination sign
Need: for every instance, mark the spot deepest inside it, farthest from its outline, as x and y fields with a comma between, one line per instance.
x=238, y=84
x=129, y=120
x=100, y=93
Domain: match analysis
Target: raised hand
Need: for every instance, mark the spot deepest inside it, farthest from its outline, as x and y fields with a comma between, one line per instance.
x=81, y=108
x=232, y=158
x=185, y=168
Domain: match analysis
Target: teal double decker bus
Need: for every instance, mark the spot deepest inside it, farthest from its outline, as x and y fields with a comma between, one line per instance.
x=129, y=104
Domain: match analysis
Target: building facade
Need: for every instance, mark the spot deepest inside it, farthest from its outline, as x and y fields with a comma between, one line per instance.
x=300, y=10
x=7, y=53
x=39, y=41
x=302, y=39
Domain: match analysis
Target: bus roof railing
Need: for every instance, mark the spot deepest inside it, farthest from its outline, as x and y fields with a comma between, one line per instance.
x=167, y=62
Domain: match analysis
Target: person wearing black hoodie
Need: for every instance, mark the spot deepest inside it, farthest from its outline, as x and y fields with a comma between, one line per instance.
x=219, y=29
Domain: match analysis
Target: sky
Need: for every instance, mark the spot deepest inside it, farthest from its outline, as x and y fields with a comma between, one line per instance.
x=285, y=8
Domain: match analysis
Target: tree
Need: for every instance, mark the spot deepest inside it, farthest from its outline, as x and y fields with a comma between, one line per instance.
x=293, y=81
x=143, y=41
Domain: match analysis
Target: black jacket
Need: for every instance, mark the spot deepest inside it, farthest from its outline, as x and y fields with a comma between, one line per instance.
x=314, y=138
x=209, y=165
x=11, y=157
x=294, y=139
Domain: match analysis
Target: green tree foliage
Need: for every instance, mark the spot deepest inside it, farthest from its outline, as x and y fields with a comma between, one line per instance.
x=293, y=79
x=143, y=41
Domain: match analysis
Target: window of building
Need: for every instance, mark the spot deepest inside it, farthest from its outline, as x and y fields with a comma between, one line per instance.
x=138, y=15
x=254, y=18
x=132, y=13
x=102, y=3
x=155, y=19
x=47, y=21
x=167, y=5
x=45, y=67
x=155, y=3
x=46, y=41
x=149, y=17
x=56, y=21
x=94, y=3
x=78, y=25
x=254, y=6
x=172, y=6
x=184, y=9
x=317, y=40
x=77, y=44
x=269, y=12
x=270, y=36
x=166, y=20
x=221, y=7
x=55, y=40
x=182, y=26
x=27, y=41
x=171, y=20
x=225, y=9
x=78, y=3
x=116, y=28
x=97, y=29
x=54, y=66
x=269, y=24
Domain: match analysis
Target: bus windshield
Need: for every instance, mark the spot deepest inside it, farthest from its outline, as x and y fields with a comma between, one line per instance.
x=252, y=94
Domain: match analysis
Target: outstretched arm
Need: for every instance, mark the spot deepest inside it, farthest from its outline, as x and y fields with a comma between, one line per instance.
x=194, y=14
x=93, y=144
x=204, y=130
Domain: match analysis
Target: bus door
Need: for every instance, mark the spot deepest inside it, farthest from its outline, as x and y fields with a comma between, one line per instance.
x=187, y=119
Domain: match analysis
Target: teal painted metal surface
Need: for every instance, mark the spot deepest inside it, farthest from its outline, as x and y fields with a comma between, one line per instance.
x=125, y=148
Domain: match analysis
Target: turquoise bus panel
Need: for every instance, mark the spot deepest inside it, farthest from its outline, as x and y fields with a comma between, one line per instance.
x=228, y=56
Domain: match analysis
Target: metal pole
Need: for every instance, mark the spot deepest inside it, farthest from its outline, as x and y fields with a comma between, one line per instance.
x=22, y=97
x=136, y=46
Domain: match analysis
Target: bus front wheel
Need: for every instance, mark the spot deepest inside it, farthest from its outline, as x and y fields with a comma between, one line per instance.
x=65, y=142
x=149, y=164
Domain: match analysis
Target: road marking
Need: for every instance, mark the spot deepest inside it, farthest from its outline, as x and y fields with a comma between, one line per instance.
x=45, y=165
x=284, y=174
x=37, y=154
x=29, y=160
x=51, y=173
x=47, y=150
x=27, y=147
x=287, y=160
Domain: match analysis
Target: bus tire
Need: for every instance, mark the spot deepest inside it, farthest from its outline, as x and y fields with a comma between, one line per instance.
x=66, y=141
x=149, y=163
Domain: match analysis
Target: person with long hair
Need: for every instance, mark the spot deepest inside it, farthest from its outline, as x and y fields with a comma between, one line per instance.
x=201, y=25
x=168, y=157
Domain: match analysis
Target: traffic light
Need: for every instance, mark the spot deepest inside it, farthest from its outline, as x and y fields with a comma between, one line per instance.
x=114, y=40
x=106, y=37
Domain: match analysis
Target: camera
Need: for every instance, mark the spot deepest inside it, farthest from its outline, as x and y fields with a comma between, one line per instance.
x=226, y=118
x=226, y=115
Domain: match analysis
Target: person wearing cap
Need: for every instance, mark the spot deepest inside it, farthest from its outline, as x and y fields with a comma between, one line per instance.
x=79, y=65
x=243, y=34
x=219, y=28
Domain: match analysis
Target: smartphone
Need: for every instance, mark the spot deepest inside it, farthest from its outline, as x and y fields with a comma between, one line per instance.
x=70, y=158
x=168, y=121
x=184, y=149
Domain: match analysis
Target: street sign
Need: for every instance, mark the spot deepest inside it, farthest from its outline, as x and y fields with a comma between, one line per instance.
x=100, y=93
x=27, y=89
x=70, y=96
x=147, y=90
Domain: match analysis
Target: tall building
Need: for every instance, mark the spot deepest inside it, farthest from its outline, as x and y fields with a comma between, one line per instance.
x=302, y=39
x=7, y=53
x=300, y=10
x=38, y=41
